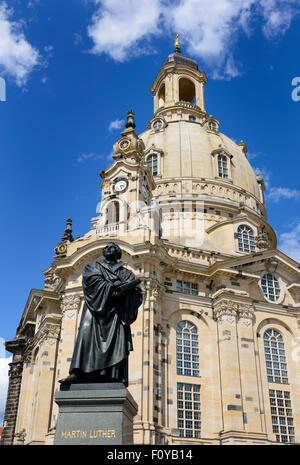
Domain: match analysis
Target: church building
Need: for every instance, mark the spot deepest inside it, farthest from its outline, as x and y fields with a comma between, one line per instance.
x=215, y=357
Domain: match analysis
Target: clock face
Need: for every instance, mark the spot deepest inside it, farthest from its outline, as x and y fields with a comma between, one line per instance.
x=145, y=192
x=121, y=185
x=124, y=144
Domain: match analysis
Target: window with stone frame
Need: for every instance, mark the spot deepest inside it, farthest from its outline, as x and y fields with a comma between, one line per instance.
x=152, y=162
x=280, y=401
x=276, y=363
x=270, y=287
x=245, y=237
x=187, y=349
x=188, y=410
x=186, y=287
x=212, y=126
x=282, y=415
x=112, y=213
x=223, y=171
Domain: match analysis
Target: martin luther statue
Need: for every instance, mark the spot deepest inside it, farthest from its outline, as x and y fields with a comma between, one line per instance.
x=112, y=298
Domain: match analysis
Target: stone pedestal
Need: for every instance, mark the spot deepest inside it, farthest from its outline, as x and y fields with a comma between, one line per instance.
x=99, y=414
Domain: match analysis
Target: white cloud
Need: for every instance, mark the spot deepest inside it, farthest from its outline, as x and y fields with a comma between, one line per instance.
x=88, y=156
x=208, y=29
x=17, y=57
x=118, y=26
x=278, y=15
x=252, y=155
x=289, y=242
x=4, y=362
x=77, y=38
x=116, y=124
x=275, y=194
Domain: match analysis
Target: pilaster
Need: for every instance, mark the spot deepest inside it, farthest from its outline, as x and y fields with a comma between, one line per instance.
x=249, y=370
x=226, y=313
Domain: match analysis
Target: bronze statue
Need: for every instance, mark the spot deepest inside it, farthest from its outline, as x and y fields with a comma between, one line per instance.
x=112, y=298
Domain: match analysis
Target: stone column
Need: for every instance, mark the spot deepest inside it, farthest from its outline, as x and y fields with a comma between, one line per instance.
x=249, y=376
x=16, y=346
x=230, y=385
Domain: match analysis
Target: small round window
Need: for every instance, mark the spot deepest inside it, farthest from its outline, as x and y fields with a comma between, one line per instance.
x=157, y=125
x=270, y=287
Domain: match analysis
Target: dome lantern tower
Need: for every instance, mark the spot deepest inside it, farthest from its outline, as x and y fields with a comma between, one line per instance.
x=179, y=84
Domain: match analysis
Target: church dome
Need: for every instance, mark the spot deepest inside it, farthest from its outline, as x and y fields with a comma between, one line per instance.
x=189, y=151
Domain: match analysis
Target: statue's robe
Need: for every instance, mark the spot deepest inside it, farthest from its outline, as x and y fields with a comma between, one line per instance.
x=104, y=337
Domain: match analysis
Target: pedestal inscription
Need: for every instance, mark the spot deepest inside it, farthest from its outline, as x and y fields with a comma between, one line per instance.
x=95, y=413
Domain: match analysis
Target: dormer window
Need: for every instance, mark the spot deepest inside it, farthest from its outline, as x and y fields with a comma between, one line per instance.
x=212, y=124
x=222, y=162
x=152, y=162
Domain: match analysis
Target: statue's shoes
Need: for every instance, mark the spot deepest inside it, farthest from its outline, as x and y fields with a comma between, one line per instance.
x=72, y=378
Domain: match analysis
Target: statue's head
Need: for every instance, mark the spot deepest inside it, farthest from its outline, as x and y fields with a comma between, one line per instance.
x=112, y=251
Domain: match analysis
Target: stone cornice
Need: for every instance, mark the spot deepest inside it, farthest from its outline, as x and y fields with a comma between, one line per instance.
x=93, y=250
x=286, y=262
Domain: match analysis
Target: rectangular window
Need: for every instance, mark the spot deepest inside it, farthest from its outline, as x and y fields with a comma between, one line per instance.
x=189, y=409
x=282, y=423
x=187, y=287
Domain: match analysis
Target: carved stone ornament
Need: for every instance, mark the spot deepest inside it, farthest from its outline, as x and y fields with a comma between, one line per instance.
x=70, y=305
x=51, y=281
x=246, y=315
x=262, y=240
x=15, y=372
x=155, y=293
x=48, y=334
x=21, y=436
x=27, y=354
x=226, y=312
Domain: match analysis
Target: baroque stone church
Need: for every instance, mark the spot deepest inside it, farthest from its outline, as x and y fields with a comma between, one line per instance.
x=215, y=343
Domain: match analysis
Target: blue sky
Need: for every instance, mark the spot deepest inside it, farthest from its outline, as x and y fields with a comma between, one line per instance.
x=72, y=70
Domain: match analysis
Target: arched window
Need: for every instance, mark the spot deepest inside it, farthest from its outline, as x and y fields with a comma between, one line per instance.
x=270, y=287
x=275, y=357
x=246, y=239
x=187, y=349
x=112, y=213
x=162, y=96
x=187, y=91
x=222, y=166
x=280, y=400
x=152, y=162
